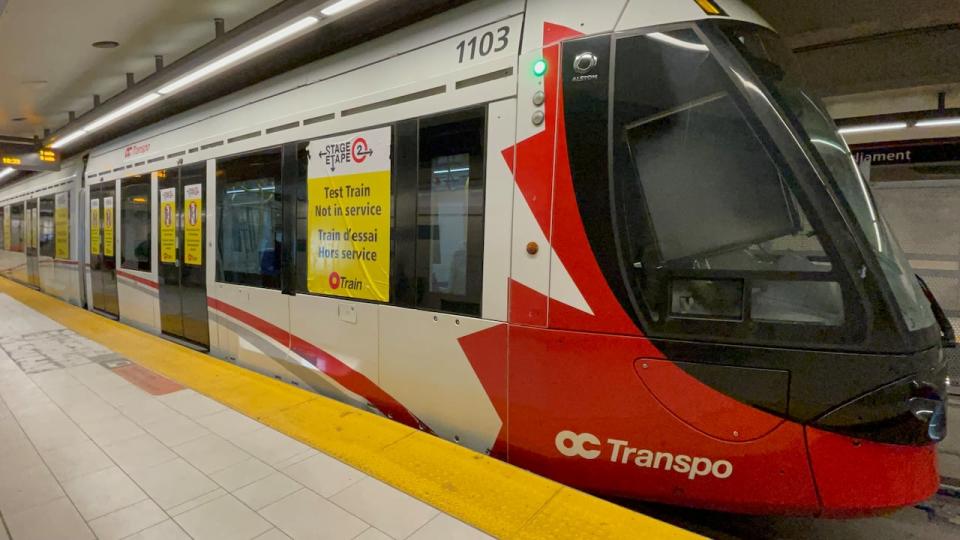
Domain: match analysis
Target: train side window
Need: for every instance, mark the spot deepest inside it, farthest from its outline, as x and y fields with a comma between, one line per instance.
x=450, y=202
x=47, y=244
x=713, y=224
x=3, y=234
x=16, y=227
x=135, y=223
x=249, y=219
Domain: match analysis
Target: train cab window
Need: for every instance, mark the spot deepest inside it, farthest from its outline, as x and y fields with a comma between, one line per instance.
x=16, y=227
x=135, y=223
x=712, y=223
x=249, y=219
x=450, y=212
x=47, y=242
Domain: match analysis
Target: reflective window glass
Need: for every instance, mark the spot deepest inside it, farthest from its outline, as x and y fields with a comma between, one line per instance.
x=135, y=223
x=450, y=212
x=16, y=227
x=249, y=219
x=701, y=195
x=47, y=244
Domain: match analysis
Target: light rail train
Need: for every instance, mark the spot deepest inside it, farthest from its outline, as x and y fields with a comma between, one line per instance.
x=614, y=243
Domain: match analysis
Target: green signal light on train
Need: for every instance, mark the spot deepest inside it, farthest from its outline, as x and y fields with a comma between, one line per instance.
x=540, y=67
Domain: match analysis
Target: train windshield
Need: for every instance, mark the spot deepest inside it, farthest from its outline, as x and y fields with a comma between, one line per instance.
x=772, y=63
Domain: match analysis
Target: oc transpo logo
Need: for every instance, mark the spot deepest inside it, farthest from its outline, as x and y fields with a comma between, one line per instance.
x=589, y=446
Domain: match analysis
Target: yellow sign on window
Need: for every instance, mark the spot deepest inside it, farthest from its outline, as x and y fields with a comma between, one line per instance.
x=95, y=226
x=61, y=222
x=168, y=225
x=193, y=224
x=108, y=226
x=348, y=224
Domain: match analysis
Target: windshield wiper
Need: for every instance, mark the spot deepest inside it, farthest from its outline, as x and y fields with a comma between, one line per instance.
x=947, y=335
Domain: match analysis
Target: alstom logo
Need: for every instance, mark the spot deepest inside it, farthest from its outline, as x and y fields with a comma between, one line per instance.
x=589, y=446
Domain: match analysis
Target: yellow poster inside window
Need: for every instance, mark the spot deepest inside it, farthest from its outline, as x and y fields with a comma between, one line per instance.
x=61, y=223
x=7, y=235
x=108, y=226
x=95, y=226
x=193, y=224
x=168, y=225
x=348, y=224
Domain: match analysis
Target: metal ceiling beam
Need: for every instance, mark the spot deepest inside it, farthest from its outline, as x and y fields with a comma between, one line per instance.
x=332, y=35
x=909, y=32
x=280, y=14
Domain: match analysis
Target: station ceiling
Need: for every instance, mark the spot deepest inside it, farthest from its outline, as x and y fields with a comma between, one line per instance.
x=49, y=66
x=857, y=46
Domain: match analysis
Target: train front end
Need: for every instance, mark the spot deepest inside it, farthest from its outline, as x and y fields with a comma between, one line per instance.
x=788, y=359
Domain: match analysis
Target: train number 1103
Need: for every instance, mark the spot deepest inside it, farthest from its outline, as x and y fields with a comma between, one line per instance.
x=484, y=44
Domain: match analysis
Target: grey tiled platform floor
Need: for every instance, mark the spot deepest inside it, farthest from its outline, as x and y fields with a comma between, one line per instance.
x=85, y=454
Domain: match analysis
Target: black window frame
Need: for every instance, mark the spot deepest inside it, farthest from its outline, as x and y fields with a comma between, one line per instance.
x=743, y=330
x=46, y=213
x=405, y=186
x=17, y=227
x=589, y=108
x=138, y=181
x=272, y=281
x=471, y=303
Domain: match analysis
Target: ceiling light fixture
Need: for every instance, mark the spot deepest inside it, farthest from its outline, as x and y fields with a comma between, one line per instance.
x=215, y=66
x=874, y=127
x=935, y=122
x=337, y=7
x=60, y=143
x=105, y=44
x=239, y=54
x=121, y=112
x=6, y=172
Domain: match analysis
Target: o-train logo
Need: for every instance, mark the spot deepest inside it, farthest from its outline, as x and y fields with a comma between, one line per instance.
x=588, y=446
x=352, y=151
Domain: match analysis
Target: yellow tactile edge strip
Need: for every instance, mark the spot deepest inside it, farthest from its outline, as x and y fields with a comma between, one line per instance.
x=496, y=497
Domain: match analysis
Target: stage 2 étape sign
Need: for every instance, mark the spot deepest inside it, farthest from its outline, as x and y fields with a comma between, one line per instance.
x=348, y=221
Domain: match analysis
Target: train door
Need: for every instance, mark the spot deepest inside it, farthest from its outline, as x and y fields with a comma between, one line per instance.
x=182, y=270
x=31, y=220
x=46, y=245
x=103, y=259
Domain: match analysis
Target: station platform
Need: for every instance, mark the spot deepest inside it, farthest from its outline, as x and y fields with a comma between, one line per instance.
x=109, y=432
